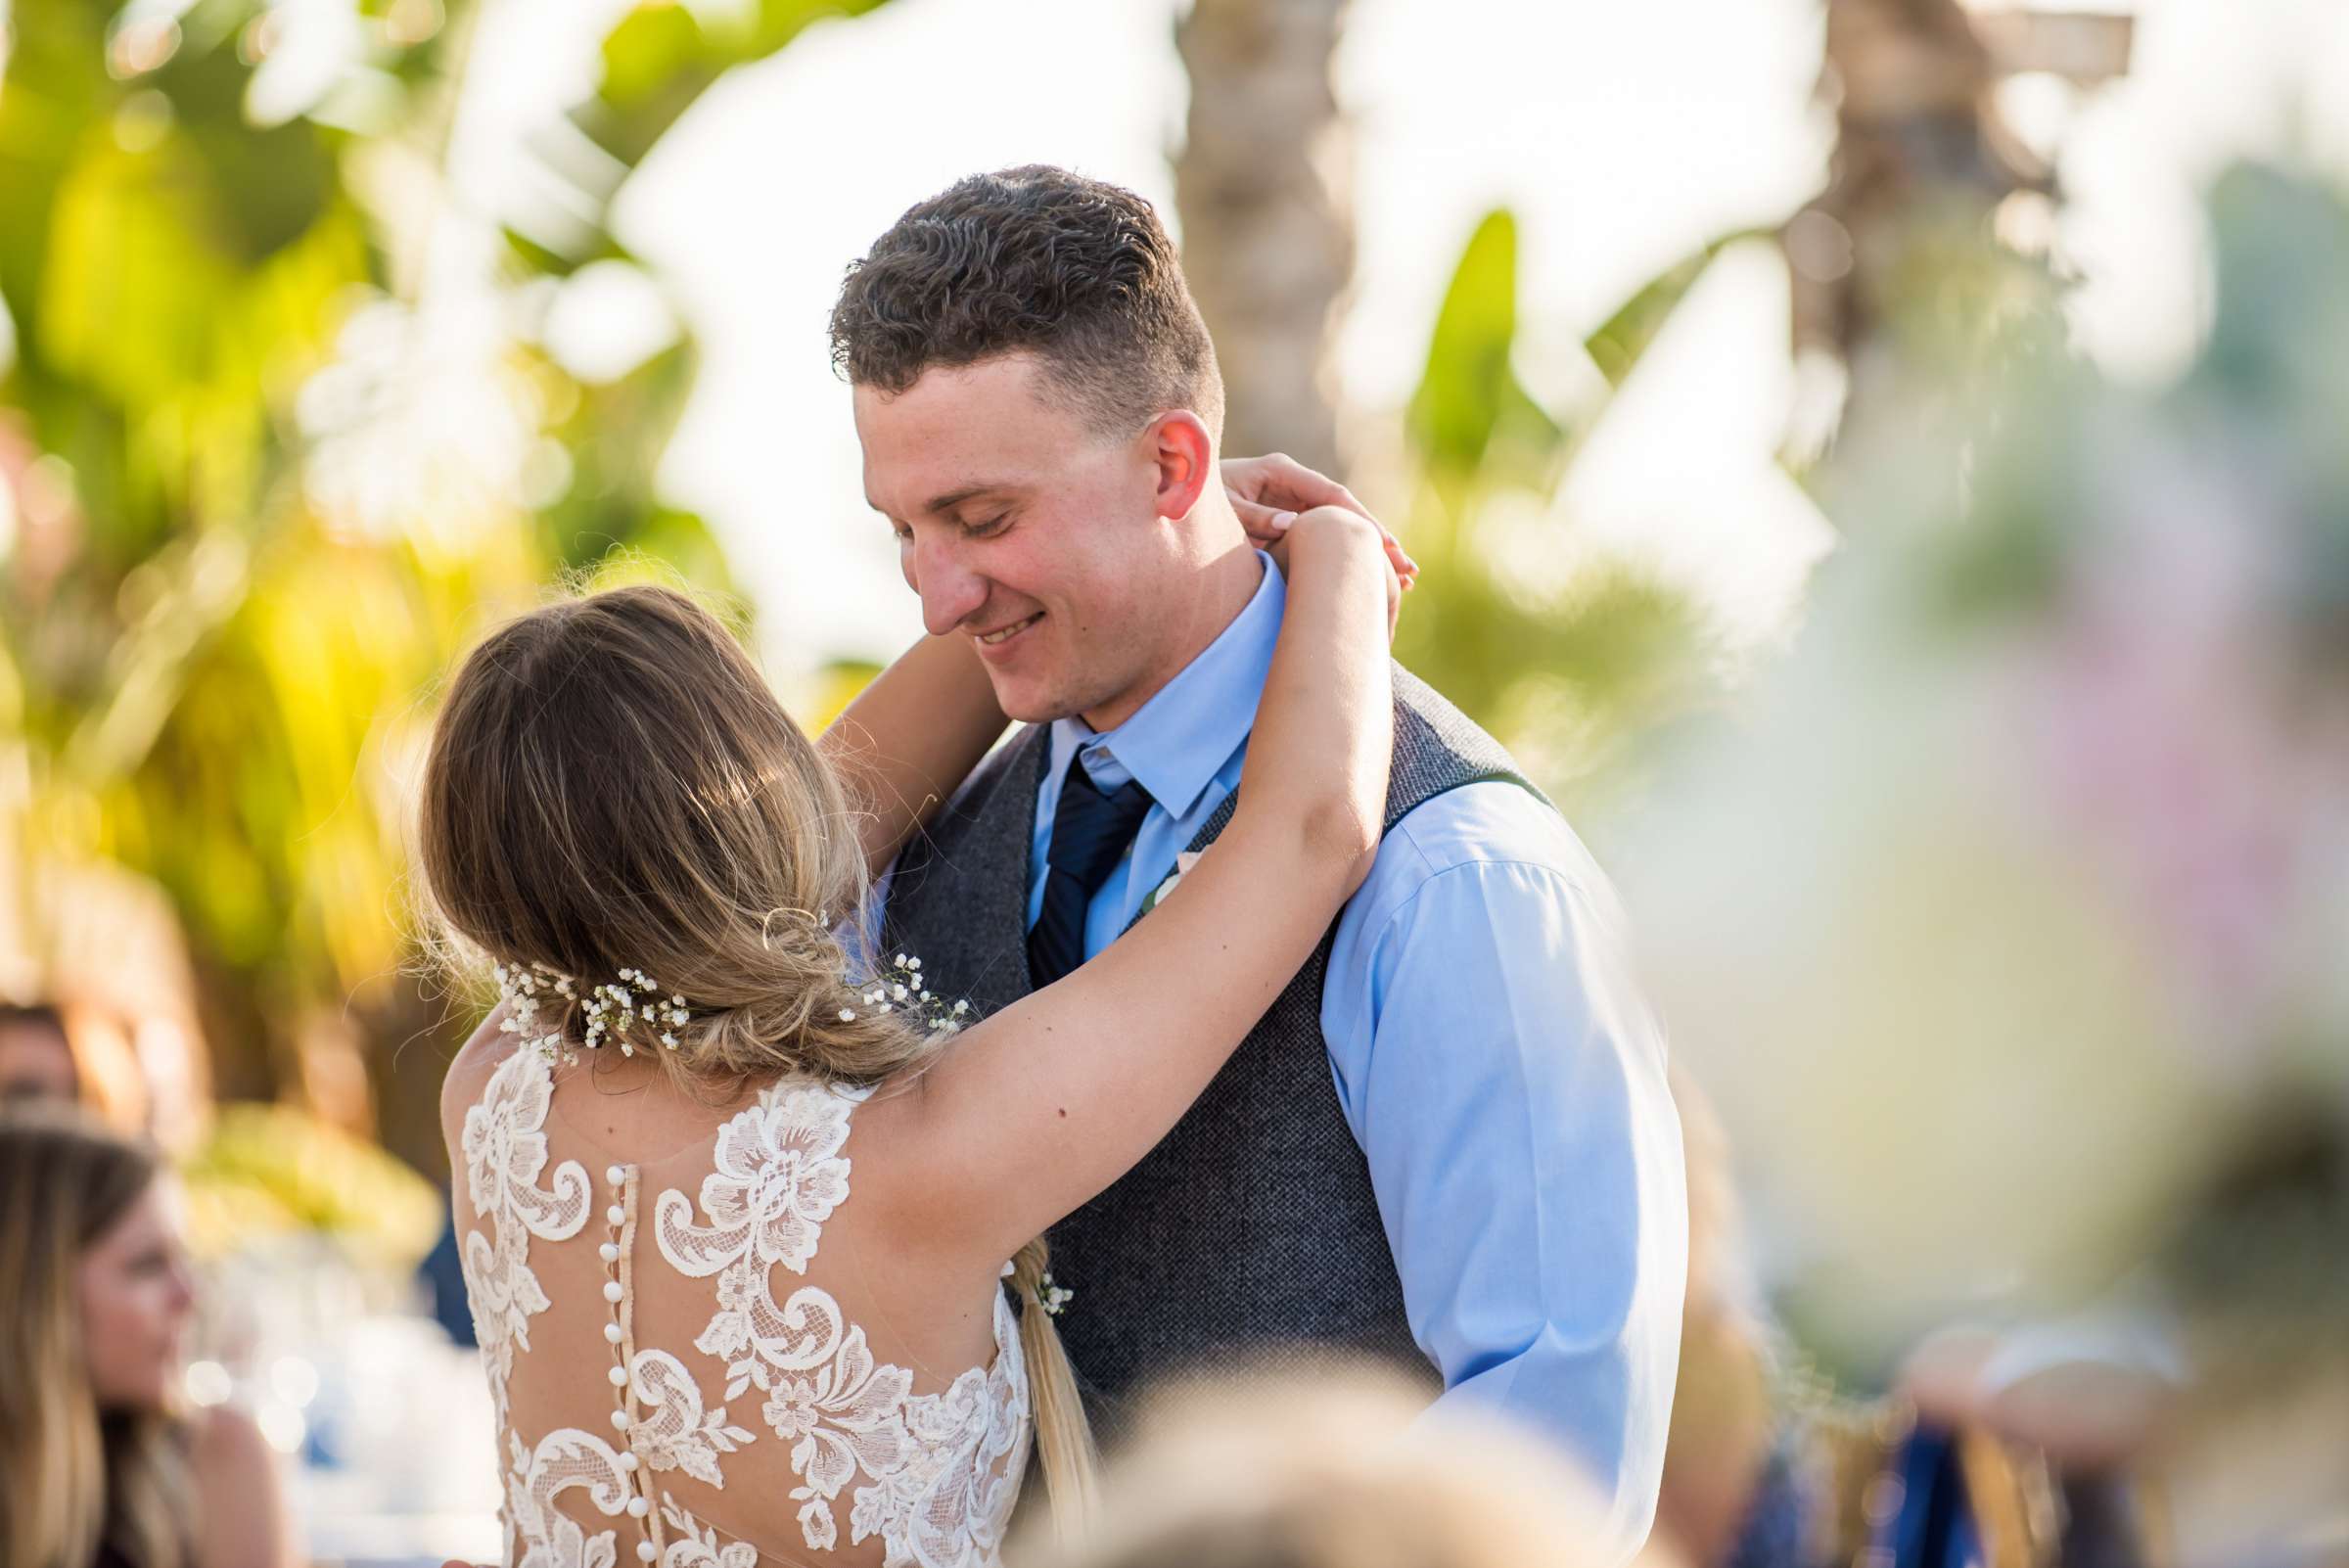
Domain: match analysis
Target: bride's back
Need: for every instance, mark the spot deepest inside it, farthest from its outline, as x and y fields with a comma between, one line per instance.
x=700, y=1338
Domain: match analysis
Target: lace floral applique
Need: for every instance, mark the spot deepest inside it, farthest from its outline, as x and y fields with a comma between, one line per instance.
x=538, y=1534
x=778, y=1175
x=697, y=1545
x=946, y=1505
x=675, y=1434
x=842, y=1412
x=505, y=1150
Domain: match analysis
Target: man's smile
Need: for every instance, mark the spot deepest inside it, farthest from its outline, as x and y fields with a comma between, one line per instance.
x=1003, y=634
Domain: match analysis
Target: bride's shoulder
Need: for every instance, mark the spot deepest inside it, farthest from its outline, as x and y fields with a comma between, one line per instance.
x=477, y=1061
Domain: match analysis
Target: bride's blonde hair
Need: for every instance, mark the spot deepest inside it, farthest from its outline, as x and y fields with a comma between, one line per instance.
x=613, y=785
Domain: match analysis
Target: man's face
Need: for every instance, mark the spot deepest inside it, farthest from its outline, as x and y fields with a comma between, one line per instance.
x=1023, y=530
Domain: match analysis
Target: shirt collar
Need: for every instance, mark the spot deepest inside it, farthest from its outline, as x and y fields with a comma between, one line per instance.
x=1178, y=740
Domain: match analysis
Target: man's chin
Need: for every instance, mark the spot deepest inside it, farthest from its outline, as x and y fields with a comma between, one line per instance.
x=1035, y=702
x=1040, y=712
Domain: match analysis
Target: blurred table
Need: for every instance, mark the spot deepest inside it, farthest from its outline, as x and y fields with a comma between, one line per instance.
x=384, y=1424
x=399, y=1460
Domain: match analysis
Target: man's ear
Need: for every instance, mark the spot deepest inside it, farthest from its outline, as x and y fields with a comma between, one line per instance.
x=1185, y=459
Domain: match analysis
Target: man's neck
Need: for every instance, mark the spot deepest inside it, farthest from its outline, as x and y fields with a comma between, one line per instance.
x=1219, y=589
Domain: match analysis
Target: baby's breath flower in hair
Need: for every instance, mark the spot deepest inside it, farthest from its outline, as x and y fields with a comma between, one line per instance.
x=612, y=1011
x=899, y=986
x=629, y=1011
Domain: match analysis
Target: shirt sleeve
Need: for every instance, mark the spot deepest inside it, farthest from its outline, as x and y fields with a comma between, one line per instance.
x=1507, y=1086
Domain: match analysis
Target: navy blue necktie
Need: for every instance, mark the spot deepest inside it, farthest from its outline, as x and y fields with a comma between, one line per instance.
x=1089, y=832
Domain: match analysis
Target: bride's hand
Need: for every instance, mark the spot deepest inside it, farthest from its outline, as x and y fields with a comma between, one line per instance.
x=1269, y=492
x=1363, y=532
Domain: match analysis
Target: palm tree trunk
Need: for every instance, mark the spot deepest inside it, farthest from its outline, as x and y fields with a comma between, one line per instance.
x=1268, y=239
x=1910, y=83
x=1921, y=155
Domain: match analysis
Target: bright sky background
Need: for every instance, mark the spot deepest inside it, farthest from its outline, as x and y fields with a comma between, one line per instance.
x=1623, y=135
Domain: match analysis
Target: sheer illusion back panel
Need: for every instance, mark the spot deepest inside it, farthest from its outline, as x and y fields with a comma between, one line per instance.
x=678, y=1319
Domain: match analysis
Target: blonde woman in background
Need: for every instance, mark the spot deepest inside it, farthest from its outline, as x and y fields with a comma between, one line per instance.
x=1260, y=1470
x=98, y=1468
x=36, y=1056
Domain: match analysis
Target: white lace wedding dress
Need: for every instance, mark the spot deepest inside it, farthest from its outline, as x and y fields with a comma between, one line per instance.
x=655, y=1403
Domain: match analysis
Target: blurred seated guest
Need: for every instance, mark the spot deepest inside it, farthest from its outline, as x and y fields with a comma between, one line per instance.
x=1268, y=1470
x=1958, y=1468
x=2068, y=1418
x=36, y=1055
x=99, y=1468
x=2006, y=1450
x=1737, y=1489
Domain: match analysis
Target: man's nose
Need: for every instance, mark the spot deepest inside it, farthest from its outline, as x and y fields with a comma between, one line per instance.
x=950, y=590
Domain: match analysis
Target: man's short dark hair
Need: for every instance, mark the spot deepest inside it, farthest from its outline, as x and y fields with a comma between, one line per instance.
x=1034, y=260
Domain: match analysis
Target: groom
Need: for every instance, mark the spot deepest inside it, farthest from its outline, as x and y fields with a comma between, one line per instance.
x=1448, y=1141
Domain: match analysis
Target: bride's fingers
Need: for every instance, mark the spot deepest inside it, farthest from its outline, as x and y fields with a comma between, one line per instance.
x=1280, y=477
x=1407, y=570
x=1266, y=524
x=1262, y=523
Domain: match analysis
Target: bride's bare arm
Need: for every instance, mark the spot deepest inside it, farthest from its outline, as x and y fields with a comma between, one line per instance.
x=909, y=738
x=1047, y=1102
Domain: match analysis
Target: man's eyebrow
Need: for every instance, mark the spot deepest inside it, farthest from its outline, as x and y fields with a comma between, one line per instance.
x=948, y=500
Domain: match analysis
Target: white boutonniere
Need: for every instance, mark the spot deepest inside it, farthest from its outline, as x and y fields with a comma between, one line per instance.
x=1182, y=866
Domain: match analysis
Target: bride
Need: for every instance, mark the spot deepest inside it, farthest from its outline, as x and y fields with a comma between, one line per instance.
x=736, y=1221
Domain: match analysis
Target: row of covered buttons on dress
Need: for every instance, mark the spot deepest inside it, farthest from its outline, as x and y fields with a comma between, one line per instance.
x=615, y=1334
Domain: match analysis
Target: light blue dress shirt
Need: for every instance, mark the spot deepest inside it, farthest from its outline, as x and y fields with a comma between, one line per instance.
x=1494, y=1061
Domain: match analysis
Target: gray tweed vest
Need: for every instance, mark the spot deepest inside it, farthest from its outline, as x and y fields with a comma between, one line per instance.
x=1252, y=1226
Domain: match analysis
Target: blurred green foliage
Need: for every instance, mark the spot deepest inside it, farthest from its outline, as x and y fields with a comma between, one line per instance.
x=657, y=61
x=270, y=1171
x=1568, y=673
x=227, y=593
